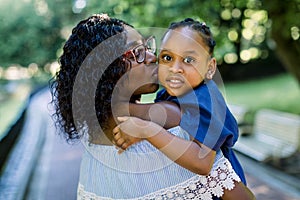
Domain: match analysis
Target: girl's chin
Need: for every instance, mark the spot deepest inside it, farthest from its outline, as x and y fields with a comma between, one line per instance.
x=174, y=92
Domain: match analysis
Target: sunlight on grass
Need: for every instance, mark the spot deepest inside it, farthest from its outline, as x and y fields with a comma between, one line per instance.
x=148, y=98
x=280, y=92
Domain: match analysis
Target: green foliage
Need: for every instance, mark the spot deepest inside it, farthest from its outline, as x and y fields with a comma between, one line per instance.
x=222, y=16
x=30, y=32
x=34, y=33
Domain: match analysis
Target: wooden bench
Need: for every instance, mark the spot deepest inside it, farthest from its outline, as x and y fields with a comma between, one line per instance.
x=275, y=135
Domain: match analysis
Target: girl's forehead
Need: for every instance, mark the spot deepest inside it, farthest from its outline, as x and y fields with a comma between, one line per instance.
x=184, y=39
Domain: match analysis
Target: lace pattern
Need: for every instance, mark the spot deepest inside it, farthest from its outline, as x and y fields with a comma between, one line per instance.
x=199, y=187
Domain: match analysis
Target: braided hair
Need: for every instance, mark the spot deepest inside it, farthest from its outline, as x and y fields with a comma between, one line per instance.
x=200, y=27
x=85, y=37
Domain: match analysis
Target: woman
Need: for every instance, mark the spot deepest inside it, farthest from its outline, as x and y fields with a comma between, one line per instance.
x=105, y=63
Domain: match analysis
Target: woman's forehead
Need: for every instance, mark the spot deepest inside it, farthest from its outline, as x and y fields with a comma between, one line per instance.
x=133, y=37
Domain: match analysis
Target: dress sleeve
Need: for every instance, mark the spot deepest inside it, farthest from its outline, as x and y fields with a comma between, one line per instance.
x=207, y=118
x=163, y=95
x=205, y=115
x=210, y=187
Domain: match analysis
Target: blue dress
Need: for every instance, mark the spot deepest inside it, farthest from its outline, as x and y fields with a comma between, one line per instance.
x=143, y=172
x=206, y=117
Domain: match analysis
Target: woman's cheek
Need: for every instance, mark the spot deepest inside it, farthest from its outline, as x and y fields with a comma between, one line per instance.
x=162, y=73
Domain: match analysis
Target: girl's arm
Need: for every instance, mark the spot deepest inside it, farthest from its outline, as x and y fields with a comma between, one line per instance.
x=165, y=113
x=240, y=191
x=191, y=155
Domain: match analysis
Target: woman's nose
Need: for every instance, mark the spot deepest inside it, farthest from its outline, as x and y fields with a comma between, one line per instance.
x=150, y=58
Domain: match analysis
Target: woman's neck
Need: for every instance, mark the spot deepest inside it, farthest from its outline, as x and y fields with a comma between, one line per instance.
x=120, y=107
x=135, y=98
x=105, y=136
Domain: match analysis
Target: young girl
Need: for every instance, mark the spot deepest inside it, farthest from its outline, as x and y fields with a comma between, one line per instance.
x=186, y=67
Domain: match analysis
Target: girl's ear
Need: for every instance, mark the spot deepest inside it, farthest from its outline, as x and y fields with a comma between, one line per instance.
x=212, y=67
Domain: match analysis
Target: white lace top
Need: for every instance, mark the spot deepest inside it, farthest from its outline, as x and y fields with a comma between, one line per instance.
x=143, y=172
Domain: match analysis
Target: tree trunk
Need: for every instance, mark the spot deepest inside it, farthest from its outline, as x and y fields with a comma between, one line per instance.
x=289, y=54
x=284, y=16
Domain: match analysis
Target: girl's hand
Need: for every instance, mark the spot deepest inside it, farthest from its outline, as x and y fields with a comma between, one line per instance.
x=125, y=135
x=123, y=140
x=132, y=130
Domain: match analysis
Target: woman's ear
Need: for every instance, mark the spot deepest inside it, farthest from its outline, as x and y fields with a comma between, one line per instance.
x=211, y=70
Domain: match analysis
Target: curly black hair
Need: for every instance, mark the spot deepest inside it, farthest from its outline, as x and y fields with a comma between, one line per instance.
x=200, y=27
x=90, y=67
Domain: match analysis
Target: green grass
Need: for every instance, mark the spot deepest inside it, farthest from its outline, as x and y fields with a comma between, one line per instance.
x=13, y=97
x=12, y=105
x=280, y=92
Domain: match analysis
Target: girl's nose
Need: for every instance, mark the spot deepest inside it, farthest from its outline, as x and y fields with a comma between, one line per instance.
x=176, y=67
x=150, y=58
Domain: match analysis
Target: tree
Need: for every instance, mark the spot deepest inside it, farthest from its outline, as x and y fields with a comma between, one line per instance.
x=31, y=31
x=245, y=30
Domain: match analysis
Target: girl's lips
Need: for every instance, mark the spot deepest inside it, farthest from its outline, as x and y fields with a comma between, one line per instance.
x=174, y=82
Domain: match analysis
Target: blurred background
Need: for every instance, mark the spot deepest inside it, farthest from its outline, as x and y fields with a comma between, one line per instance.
x=258, y=50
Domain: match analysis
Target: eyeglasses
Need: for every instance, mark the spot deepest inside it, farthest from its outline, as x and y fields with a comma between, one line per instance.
x=138, y=53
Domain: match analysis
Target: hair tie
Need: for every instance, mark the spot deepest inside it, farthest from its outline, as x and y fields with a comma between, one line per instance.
x=103, y=16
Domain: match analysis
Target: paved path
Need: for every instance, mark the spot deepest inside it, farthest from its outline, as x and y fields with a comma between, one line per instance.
x=268, y=183
x=56, y=174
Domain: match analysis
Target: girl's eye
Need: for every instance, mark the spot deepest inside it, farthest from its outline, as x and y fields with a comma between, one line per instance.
x=166, y=58
x=188, y=60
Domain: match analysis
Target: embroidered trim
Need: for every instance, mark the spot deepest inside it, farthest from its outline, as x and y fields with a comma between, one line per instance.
x=199, y=187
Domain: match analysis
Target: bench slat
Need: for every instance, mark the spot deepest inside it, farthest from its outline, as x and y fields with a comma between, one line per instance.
x=275, y=135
